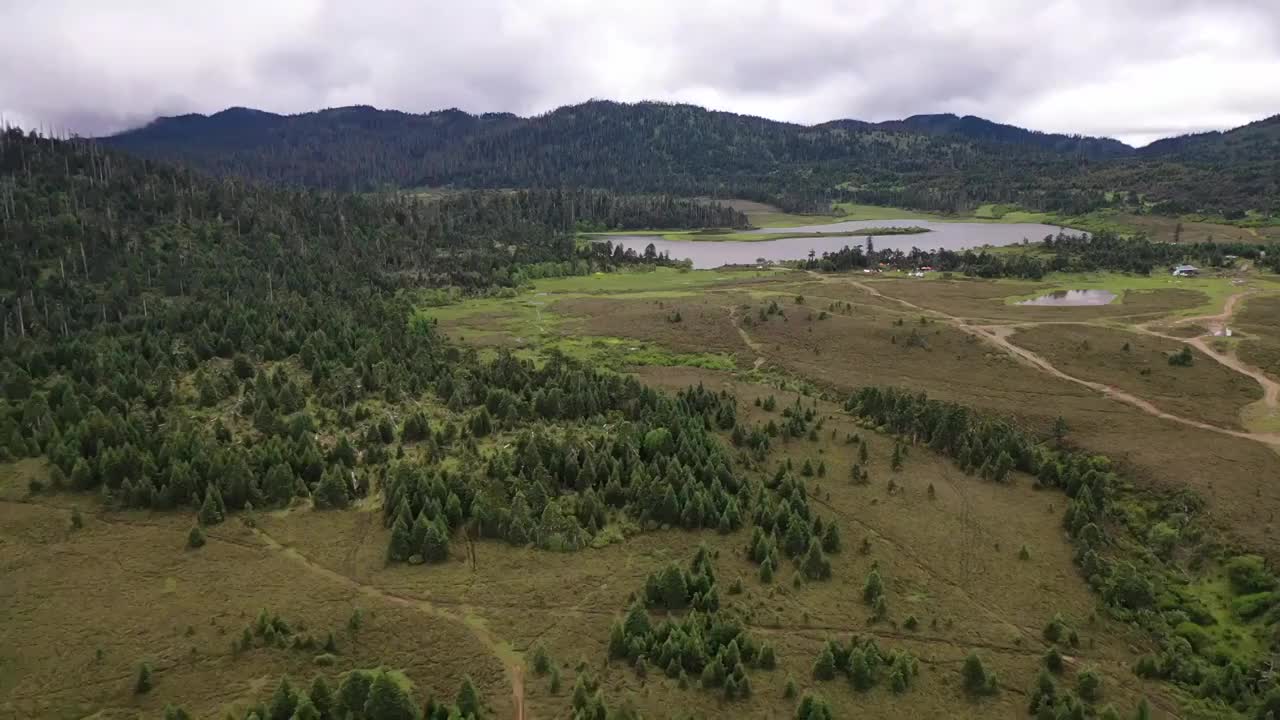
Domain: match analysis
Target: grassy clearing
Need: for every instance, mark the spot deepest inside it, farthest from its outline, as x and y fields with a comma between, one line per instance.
x=616, y=352
x=661, y=279
x=1215, y=291
x=1139, y=364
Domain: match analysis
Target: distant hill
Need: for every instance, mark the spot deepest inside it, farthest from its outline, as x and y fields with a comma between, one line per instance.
x=1247, y=143
x=938, y=162
x=982, y=129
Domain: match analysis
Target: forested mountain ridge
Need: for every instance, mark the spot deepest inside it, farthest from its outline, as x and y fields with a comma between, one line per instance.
x=936, y=162
x=1254, y=141
x=1093, y=148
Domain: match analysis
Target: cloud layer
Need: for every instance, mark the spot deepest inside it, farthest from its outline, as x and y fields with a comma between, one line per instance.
x=1136, y=70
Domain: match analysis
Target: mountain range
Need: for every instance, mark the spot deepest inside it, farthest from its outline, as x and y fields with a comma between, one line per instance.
x=937, y=161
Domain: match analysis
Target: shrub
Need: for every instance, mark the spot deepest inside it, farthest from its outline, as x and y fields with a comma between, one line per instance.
x=1054, y=629
x=1249, y=574
x=144, y=682
x=789, y=690
x=1089, y=684
x=195, y=538
x=1053, y=660
x=977, y=681
x=1254, y=604
x=541, y=660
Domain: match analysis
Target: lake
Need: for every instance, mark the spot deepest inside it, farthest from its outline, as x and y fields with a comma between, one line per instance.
x=1068, y=298
x=944, y=235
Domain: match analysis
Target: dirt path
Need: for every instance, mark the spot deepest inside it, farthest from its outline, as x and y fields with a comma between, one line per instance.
x=511, y=661
x=755, y=346
x=998, y=335
x=1217, y=323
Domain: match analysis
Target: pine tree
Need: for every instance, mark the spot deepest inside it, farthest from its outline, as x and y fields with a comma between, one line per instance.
x=765, y=658
x=789, y=690
x=195, y=538
x=825, y=666
x=1053, y=660
x=1089, y=684
x=468, y=698
x=861, y=673
x=541, y=660
x=283, y=701
x=353, y=691
x=816, y=566
x=387, y=700
x=831, y=538
x=210, y=514
x=873, y=587
x=976, y=678
x=321, y=697
x=1044, y=693
x=766, y=571
x=306, y=709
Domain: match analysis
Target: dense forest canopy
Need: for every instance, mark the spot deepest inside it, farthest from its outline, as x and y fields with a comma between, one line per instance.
x=935, y=162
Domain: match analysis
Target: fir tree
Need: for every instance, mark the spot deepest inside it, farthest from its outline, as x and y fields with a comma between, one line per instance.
x=388, y=701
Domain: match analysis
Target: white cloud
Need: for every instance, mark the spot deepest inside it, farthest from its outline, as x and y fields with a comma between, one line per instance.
x=1133, y=69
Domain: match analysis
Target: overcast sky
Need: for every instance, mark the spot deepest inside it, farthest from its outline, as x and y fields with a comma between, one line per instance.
x=1132, y=69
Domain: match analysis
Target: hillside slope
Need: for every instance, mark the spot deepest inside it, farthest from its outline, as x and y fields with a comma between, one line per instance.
x=935, y=162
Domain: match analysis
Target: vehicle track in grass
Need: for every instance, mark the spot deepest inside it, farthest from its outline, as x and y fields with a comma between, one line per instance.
x=998, y=335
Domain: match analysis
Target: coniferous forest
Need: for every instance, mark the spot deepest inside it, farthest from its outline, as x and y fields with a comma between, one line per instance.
x=938, y=162
x=222, y=327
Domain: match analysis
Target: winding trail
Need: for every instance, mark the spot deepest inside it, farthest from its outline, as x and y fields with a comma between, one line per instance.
x=998, y=335
x=756, y=347
x=1216, y=323
x=511, y=662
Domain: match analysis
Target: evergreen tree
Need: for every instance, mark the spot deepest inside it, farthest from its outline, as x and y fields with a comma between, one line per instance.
x=306, y=709
x=831, y=538
x=284, y=701
x=210, y=513
x=469, y=699
x=873, y=588
x=321, y=697
x=976, y=678
x=825, y=666
x=387, y=700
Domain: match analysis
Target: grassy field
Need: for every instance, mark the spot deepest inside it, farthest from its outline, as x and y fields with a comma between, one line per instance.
x=949, y=546
x=1139, y=364
x=438, y=623
x=860, y=343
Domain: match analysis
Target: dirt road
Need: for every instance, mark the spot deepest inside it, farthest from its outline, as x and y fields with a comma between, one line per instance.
x=998, y=335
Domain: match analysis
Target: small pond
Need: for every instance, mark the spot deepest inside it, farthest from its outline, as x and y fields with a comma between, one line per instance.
x=1066, y=298
x=948, y=235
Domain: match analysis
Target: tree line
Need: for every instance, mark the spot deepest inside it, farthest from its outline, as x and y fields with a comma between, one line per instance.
x=1064, y=252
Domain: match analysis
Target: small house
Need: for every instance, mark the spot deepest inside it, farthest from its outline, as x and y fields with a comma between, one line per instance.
x=1186, y=271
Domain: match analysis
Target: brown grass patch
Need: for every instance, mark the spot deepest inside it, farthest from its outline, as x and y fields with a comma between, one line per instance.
x=1205, y=391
